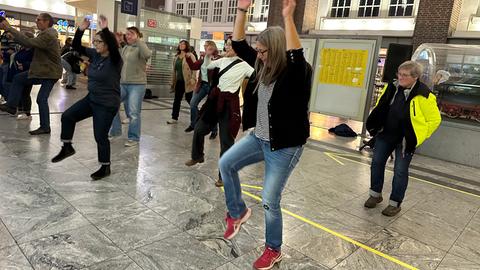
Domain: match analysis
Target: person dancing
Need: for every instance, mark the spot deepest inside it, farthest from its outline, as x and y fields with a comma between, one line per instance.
x=103, y=99
x=277, y=106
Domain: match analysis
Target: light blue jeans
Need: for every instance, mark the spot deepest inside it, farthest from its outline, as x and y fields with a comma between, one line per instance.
x=196, y=99
x=132, y=96
x=279, y=165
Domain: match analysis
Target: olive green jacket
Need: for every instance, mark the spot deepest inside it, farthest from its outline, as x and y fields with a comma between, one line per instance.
x=46, y=63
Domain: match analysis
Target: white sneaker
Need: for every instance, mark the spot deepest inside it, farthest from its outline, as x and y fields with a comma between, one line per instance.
x=113, y=137
x=172, y=121
x=131, y=143
x=2, y=100
x=24, y=116
x=126, y=121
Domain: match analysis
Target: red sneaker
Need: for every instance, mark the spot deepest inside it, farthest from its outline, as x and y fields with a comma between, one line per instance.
x=233, y=225
x=268, y=259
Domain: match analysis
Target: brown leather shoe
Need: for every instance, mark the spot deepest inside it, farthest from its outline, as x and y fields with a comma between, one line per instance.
x=219, y=183
x=391, y=211
x=372, y=202
x=192, y=162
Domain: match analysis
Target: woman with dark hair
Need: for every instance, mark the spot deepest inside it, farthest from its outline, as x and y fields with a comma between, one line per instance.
x=276, y=106
x=222, y=106
x=103, y=98
x=184, y=79
x=204, y=83
x=135, y=55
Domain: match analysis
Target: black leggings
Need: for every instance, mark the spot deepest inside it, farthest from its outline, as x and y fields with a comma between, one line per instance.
x=179, y=91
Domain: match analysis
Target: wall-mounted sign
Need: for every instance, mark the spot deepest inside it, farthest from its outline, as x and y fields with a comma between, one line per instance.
x=93, y=22
x=129, y=7
x=152, y=23
x=218, y=35
x=13, y=21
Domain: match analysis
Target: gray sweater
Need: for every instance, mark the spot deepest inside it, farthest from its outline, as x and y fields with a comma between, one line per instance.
x=135, y=59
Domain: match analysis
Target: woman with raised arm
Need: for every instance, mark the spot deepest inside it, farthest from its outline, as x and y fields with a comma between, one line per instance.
x=135, y=55
x=103, y=98
x=276, y=106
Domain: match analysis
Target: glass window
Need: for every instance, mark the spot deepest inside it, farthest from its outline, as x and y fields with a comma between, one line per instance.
x=250, y=11
x=217, y=11
x=400, y=8
x=340, y=8
x=204, y=11
x=369, y=8
x=191, y=9
x=232, y=10
x=180, y=7
x=264, y=10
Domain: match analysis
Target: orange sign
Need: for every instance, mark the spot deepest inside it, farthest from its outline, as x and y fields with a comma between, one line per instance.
x=218, y=35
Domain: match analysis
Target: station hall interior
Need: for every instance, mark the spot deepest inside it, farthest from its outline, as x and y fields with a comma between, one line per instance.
x=161, y=208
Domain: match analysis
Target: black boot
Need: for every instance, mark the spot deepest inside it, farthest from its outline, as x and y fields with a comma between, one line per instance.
x=67, y=150
x=104, y=171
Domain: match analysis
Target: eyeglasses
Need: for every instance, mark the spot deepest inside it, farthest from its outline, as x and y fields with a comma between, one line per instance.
x=262, y=52
x=40, y=19
x=403, y=75
x=97, y=41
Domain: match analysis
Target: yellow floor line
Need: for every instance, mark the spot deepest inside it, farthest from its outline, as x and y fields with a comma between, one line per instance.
x=339, y=235
x=418, y=179
x=330, y=155
x=251, y=186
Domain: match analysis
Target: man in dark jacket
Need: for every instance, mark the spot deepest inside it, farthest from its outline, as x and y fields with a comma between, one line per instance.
x=45, y=69
x=405, y=116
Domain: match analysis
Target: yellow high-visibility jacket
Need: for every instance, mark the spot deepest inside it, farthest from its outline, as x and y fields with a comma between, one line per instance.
x=423, y=114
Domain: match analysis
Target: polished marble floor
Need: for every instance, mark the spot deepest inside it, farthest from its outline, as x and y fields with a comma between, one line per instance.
x=155, y=213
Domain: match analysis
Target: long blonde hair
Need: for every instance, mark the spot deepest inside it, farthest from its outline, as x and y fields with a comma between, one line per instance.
x=273, y=38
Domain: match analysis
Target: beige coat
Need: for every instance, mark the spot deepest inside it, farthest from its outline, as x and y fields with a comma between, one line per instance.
x=189, y=75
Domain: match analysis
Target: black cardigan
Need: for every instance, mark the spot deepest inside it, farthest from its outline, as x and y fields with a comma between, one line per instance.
x=288, y=106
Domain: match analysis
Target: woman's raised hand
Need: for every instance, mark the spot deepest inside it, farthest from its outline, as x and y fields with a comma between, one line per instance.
x=288, y=8
x=84, y=24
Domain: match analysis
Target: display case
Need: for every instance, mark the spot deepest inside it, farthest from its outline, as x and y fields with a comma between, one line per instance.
x=453, y=74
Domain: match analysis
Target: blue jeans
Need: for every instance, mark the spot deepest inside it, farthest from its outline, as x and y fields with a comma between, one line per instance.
x=20, y=81
x=278, y=167
x=196, y=99
x=381, y=152
x=132, y=96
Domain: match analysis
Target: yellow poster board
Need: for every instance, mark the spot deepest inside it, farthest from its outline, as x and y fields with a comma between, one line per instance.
x=346, y=67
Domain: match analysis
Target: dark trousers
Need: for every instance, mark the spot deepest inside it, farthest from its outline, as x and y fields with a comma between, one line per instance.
x=102, y=120
x=26, y=101
x=3, y=80
x=179, y=92
x=20, y=81
x=202, y=128
x=381, y=153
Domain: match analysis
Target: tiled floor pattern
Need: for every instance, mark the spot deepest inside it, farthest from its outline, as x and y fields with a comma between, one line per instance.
x=155, y=213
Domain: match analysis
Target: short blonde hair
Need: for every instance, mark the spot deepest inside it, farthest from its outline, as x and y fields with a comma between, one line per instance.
x=416, y=70
x=210, y=43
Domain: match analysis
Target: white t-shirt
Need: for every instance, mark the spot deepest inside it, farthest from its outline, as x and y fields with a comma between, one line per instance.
x=233, y=78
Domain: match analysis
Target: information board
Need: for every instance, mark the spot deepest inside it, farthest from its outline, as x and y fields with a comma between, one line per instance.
x=343, y=77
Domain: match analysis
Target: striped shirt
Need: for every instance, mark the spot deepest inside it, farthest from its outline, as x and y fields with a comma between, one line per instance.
x=262, y=128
